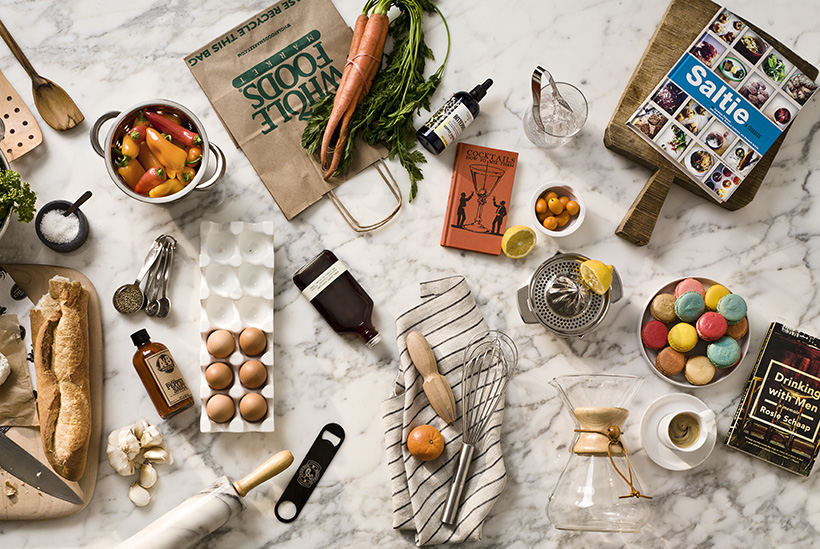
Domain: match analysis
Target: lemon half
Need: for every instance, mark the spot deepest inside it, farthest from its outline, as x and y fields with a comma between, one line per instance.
x=596, y=276
x=518, y=241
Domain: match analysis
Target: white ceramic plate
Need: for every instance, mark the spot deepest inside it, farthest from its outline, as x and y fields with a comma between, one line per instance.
x=700, y=349
x=657, y=450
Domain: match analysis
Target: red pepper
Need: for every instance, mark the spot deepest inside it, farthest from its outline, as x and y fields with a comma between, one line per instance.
x=186, y=137
x=137, y=133
x=149, y=180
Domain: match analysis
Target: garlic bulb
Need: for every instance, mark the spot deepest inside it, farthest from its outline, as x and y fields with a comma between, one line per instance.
x=139, y=495
x=148, y=476
x=122, y=448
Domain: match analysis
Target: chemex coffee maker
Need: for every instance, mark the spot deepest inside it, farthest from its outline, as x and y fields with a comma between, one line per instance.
x=556, y=298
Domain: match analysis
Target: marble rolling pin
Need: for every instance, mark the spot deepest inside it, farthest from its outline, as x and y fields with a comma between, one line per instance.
x=435, y=386
x=186, y=524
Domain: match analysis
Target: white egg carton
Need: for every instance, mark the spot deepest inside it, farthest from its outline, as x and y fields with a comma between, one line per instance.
x=236, y=292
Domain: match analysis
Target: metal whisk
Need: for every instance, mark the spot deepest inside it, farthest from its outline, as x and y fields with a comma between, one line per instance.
x=489, y=362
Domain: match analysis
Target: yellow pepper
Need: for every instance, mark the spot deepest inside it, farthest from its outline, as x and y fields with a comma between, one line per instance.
x=164, y=189
x=172, y=157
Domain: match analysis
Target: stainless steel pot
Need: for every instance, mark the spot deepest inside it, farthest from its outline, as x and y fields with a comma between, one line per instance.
x=126, y=119
x=553, y=299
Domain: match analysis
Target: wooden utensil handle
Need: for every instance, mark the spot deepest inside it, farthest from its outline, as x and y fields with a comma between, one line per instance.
x=639, y=221
x=18, y=53
x=421, y=354
x=272, y=467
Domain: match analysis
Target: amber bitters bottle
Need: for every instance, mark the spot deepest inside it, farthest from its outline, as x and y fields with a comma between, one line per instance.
x=161, y=376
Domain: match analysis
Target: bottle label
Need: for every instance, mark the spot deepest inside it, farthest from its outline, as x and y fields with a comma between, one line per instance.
x=324, y=280
x=450, y=120
x=168, y=377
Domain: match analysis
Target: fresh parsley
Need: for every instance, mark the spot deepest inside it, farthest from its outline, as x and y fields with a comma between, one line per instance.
x=16, y=195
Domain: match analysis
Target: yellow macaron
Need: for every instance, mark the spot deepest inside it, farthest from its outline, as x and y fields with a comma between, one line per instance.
x=714, y=294
x=683, y=337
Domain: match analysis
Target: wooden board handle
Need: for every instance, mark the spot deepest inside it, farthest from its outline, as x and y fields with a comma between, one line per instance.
x=272, y=467
x=639, y=222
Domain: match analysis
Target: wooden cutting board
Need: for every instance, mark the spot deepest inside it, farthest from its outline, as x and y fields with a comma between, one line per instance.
x=22, y=133
x=30, y=503
x=681, y=25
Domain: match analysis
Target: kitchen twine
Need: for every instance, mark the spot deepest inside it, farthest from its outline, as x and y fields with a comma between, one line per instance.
x=359, y=69
x=613, y=433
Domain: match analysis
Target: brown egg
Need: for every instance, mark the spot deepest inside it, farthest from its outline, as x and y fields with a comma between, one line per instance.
x=252, y=341
x=253, y=374
x=221, y=343
x=219, y=375
x=220, y=408
x=253, y=406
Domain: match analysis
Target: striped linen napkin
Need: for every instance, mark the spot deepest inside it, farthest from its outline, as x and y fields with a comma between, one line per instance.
x=448, y=318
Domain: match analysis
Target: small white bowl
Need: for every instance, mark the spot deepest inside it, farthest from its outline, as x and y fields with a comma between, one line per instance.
x=562, y=189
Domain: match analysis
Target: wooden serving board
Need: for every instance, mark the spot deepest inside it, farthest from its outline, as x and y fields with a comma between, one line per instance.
x=682, y=23
x=30, y=503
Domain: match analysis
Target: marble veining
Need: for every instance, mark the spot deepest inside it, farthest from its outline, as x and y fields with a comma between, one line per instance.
x=109, y=56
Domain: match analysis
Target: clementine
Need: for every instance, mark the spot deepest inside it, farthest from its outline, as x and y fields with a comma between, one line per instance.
x=425, y=442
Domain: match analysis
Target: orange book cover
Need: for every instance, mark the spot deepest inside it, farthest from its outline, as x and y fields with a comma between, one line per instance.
x=480, y=191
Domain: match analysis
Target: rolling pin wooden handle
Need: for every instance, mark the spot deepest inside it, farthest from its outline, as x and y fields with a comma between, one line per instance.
x=422, y=355
x=272, y=467
x=639, y=221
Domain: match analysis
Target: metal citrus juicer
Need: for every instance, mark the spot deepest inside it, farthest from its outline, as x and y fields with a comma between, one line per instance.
x=555, y=298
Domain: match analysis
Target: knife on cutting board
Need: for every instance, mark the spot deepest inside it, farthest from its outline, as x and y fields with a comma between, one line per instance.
x=22, y=465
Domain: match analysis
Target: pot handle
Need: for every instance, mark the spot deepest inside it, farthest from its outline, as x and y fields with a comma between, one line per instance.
x=524, y=307
x=95, y=131
x=616, y=290
x=219, y=171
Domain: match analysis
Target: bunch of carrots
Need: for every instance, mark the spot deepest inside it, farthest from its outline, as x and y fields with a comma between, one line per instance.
x=378, y=103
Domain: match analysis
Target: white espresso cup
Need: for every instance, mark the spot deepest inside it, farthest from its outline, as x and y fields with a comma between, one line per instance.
x=686, y=430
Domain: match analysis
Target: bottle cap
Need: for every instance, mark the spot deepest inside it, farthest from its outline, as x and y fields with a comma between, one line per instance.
x=480, y=91
x=373, y=341
x=140, y=337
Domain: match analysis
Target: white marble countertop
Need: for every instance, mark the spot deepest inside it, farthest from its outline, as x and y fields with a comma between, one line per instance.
x=109, y=56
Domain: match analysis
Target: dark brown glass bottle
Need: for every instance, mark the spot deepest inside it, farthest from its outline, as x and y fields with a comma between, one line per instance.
x=161, y=376
x=330, y=287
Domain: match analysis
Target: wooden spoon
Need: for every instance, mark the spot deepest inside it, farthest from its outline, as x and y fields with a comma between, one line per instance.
x=435, y=386
x=55, y=106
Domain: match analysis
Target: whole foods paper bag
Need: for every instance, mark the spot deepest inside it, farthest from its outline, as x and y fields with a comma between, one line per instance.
x=263, y=77
x=17, y=406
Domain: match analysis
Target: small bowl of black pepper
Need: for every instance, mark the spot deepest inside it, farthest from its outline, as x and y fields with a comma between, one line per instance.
x=59, y=232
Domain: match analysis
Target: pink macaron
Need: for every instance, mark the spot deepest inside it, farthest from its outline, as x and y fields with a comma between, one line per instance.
x=689, y=285
x=711, y=326
x=654, y=334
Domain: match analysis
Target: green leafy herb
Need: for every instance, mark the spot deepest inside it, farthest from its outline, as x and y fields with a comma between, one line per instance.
x=16, y=195
x=775, y=68
x=399, y=90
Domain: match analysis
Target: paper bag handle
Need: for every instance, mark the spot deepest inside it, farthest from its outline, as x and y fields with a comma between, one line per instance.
x=390, y=181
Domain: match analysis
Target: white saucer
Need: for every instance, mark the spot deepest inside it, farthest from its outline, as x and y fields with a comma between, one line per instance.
x=656, y=450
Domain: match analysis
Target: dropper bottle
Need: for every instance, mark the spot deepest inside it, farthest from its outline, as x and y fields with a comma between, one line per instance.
x=452, y=118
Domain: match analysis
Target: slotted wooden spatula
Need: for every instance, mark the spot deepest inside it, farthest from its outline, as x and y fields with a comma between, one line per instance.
x=20, y=130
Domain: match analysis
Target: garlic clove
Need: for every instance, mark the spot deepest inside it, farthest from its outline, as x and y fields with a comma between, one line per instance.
x=139, y=495
x=158, y=455
x=140, y=426
x=148, y=476
x=150, y=437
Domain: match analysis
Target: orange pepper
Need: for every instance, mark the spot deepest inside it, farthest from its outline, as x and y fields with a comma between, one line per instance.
x=129, y=147
x=130, y=171
x=172, y=157
x=187, y=175
x=148, y=159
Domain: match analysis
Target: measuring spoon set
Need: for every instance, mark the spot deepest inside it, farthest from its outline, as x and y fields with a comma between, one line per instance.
x=156, y=273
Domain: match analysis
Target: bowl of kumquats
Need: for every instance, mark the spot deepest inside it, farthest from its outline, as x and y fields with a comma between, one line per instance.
x=557, y=209
x=157, y=151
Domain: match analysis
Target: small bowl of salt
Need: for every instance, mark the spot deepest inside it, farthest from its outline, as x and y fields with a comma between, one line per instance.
x=59, y=232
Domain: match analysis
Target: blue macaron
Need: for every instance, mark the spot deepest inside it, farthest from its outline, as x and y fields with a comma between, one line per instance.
x=732, y=307
x=723, y=353
x=690, y=306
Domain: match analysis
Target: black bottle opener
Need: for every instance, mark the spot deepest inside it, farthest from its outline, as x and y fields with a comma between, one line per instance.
x=310, y=470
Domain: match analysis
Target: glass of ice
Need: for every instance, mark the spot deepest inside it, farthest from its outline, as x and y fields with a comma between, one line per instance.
x=559, y=124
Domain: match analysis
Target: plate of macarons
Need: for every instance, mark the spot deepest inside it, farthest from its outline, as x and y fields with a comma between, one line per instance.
x=694, y=332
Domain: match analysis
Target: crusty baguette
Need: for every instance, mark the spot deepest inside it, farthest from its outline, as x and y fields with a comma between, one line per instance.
x=59, y=324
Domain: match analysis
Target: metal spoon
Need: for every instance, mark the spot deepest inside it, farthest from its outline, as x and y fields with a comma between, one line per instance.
x=80, y=201
x=120, y=302
x=152, y=289
x=55, y=106
x=164, y=301
x=536, y=95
